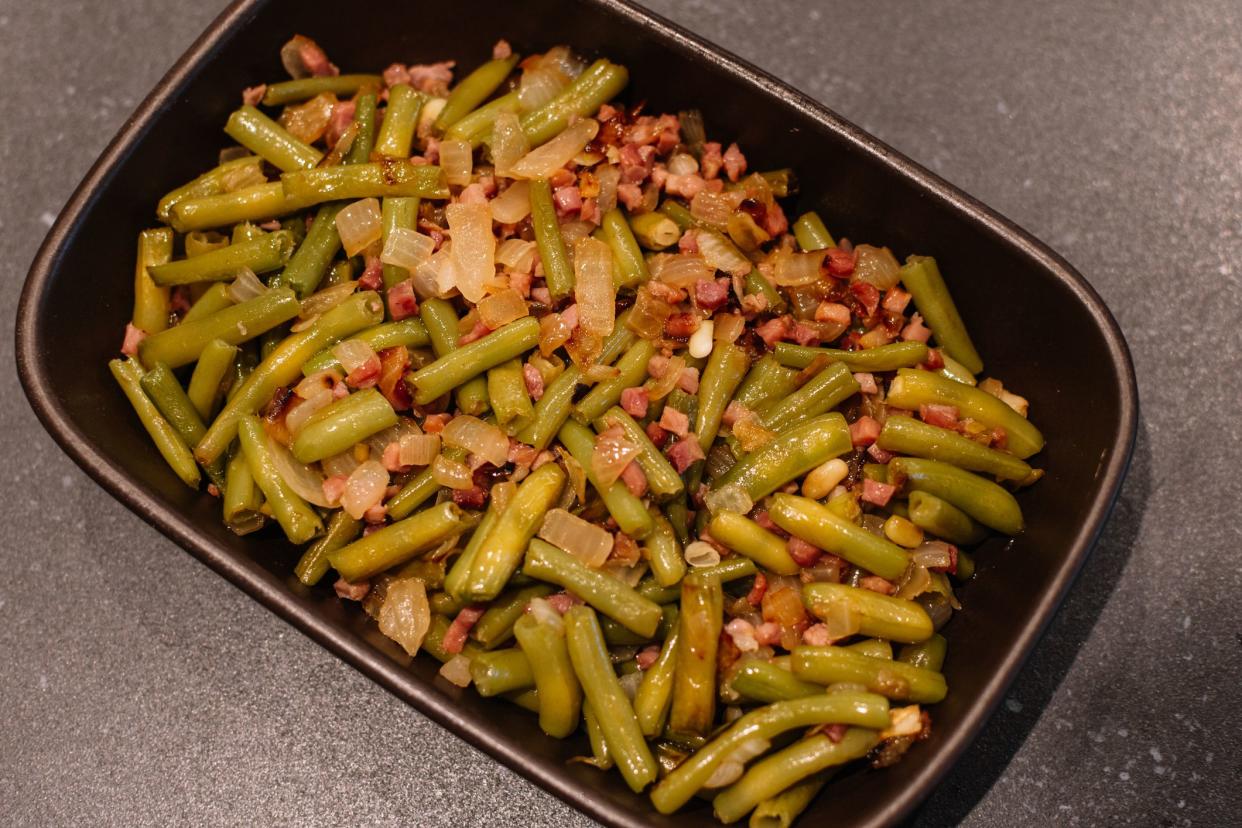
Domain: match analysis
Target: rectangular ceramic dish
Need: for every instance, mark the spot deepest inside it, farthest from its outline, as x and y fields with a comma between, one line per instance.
x=1039, y=325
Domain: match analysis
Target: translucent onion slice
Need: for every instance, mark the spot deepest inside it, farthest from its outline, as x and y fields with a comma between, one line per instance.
x=682, y=163
x=319, y=381
x=243, y=175
x=512, y=205
x=365, y=488
x=558, y=152
x=681, y=270
x=609, y=176
x=456, y=671
x=457, y=160
x=477, y=437
x=353, y=354
x=540, y=85
x=473, y=250
x=575, y=473
x=593, y=286
x=613, y=452
x=341, y=465
x=325, y=300
x=407, y=248
x=584, y=540
x=508, y=143
x=720, y=254
x=713, y=209
x=405, y=615
x=419, y=449
x=544, y=612
x=571, y=231
x=840, y=620
x=451, y=473
x=309, y=121
x=791, y=269
x=729, y=326
x=564, y=59
x=359, y=225
x=298, y=414
x=649, y=315
x=553, y=333
x=876, y=265
x=701, y=553
x=933, y=555
x=660, y=387
x=304, y=480
x=245, y=286
x=516, y=254
x=730, y=498
x=502, y=307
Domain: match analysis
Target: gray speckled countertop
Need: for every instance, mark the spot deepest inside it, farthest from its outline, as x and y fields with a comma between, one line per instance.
x=139, y=688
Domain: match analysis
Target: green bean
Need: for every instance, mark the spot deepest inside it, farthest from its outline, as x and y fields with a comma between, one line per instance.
x=879, y=616
x=166, y=392
x=272, y=338
x=978, y=497
x=309, y=263
x=768, y=380
x=922, y=278
x=884, y=358
x=214, y=298
x=433, y=642
x=396, y=133
x=859, y=709
x=205, y=241
x=667, y=564
x=600, y=590
x=370, y=180
x=340, y=273
x=632, y=368
x=284, y=366
x=397, y=213
x=782, y=182
x=756, y=282
x=169, y=443
x=473, y=90
x=259, y=202
x=655, y=691
x=782, y=810
x=476, y=126
x=468, y=361
x=956, y=371
x=455, y=582
x=364, y=139
x=679, y=214
x=630, y=268
x=598, y=84
x=552, y=409
x=929, y=654
x=603, y=692
x=820, y=526
x=260, y=255
x=419, y=488
x=506, y=389
x=629, y=512
x=600, y=755
x=501, y=552
x=894, y=679
x=762, y=681
x=293, y=514
x=775, y=773
x=789, y=455
x=557, y=268
x=398, y=542
x=441, y=322
x=833, y=385
x=218, y=181
x=811, y=233
x=913, y=388
x=184, y=343
x=693, y=707
x=542, y=639
x=343, y=423
x=411, y=332
x=905, y=435
x=150, y=299
x=654, y=231
x=495, y=626
x=744, y=536
x=269, y=140
x=242, y=499
x=445, y=604
x=314, y=564
x=874, y=647
x=618, y=636
x=501, y=671
x=246, y=231
x=730, y=569
x=662, y=479
x=211, y=376
x=303, y=89
x=724, y=372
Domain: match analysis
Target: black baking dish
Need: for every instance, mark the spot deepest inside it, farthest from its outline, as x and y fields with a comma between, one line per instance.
x=1031, y=315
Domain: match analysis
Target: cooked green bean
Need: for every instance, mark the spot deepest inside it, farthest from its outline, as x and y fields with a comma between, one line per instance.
x=557, y=268
x=476, y=126
x=978, y=497
x=495, y=626
x=630, y=269
x=309, y=263
x=433, y=642
x=662, y=479
x=756, y=282
x=789, y=455
x=811, y=233
x=409, y=332
x=211, y=376
x=600, y=755
x=542, y=639
x=956, y=371
x=468, y=361
x=655, y=691
x=905, y=435
x=314, y=564
x=821, y=527
x=849, y=708
x=628, y=511
x=632, y=368
x=785, y=768
x=214, y=298
x=171, y=447
x=506, y=389
x=370, y=180
x=724, y=372
x=501, y=552
x=269, y=140
x=833, y=385
x=602, y=690
x=166, y=392
x=679, y=214
x=928, y=654
x=398, y=542
x=762, y=681
x=456, y=581
x=730, y=569
x=215, y=182
x=744, y=536
x=501, y=671
x=258, y=202
x=293, y=513
x=598, y=83
x=874, y=647
x=884, y=358
x=396, y=133
x=151, y=300
x=441, y=322
x=184, y=343
x=268, y=252
x=693, y=707
x=397, y=213
x=879, y=616
x=284, y=366
x=894, y=679
x=553, y=409
x=922, y=279
x=473, y=90
x=343, y=423
x=782, y=810
x=654, y=231
x=600, y=590
x=913, y=388
x=667, y=564
x=242, y=499
x=768, y=380
x=303, y=89
x=618, y=636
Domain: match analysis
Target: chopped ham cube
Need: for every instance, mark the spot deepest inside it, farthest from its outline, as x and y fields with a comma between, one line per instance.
x=945, y=416
x=774, y=330
x=634, y=479
x=635, y=401
x=365, y=375
x=866, y=383
x=817, y=635
x=568, y=200
x=501, y=50
x=711, y=161
x=334, y=487
x=877, y=584
x=895, y=300
x=253, y=95
x=675, y=421
x=840, y=262
x=129, y=346
x=647, y=657
x=432, y=78
x=534, y=381
x=657, y=435
x=864, y=431
x=768, y=633
x=916, y=331
x=459, y=630
x=878, y=454
x=757, y=589
x=435, y=423
x=833, y=312
x=877, y=493
x=402, y=303
x=688, y=380
x=803, y=553
x=734, y=162
x=562, y=602
x=710, y=294
x=477, y=332
x=685, y=452
x=687, y=186
x=351, y=592
x=372, y=277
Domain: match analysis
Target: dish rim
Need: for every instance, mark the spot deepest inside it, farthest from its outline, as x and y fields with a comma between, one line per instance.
x=394, y=677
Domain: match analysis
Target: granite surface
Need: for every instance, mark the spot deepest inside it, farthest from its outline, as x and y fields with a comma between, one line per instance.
x=139, y=688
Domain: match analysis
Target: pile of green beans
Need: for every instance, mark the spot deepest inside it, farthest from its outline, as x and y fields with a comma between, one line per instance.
x=719, y=535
